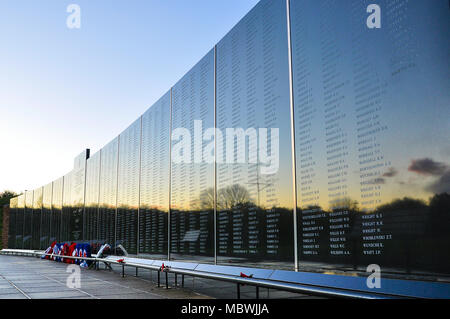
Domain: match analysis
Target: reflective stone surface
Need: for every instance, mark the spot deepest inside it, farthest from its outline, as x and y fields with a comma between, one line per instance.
x=57, y=201
x=128, y=187
x=77, y=193
x=20, y=221
x=36, y=219
x=92, y=199
x=12, y=221
x=108, y=192
x=28, y=219
x=46, y=218
x=372, y=135
x=154, y=189
x=66, y=210
x=192, y=181
x=255, y=208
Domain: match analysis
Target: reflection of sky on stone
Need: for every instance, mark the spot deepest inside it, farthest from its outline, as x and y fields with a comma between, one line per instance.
x=415, y=108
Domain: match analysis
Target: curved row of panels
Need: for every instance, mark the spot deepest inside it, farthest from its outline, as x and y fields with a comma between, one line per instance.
x=331, y=150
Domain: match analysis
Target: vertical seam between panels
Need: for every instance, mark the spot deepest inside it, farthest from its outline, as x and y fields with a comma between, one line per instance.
x=51, y=216
x=96, y=237
x=117, y=191
x=291, y=97
x=62, y=206
x=84, y=197
x=215, y=155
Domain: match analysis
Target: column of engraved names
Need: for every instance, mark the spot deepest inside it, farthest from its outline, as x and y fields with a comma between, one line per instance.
x=312, y=231
x=336, y=136
x=307, y=117
x=247, y=239
x=273, y=218
x=205, y=170
x=160, y=195
x=180, y=173
x=369, y=91
x=191, y=234
x=223, y=86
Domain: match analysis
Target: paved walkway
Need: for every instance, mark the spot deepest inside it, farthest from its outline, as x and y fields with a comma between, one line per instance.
x=34, y=278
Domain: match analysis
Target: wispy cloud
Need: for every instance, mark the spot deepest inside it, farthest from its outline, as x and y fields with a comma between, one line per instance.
x=427, y=166
x=391, y=172
x=442, y=185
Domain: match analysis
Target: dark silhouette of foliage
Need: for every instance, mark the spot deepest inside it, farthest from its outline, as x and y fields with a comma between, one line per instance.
x=4, y=199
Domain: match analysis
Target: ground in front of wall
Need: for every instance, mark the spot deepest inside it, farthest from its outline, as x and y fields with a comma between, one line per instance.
x=34, y=278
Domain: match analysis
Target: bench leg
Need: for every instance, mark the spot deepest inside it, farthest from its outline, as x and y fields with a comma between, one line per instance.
x=238, y=291
x=159, y=279
x=167, y=280
x=257, y=292
x=136, y=271
x=176, y=284
x=123, y=271
x=182, y=281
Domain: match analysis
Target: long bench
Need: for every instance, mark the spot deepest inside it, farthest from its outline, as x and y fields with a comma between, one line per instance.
x=331, y=285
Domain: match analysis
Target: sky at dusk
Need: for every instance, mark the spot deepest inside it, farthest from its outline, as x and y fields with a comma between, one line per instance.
x=63, y=90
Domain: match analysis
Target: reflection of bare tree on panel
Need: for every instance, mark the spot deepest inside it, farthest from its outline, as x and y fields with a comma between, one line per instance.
x=232, y=196
x=39, y=201
x=345, y=203
x=227, y=197
x=405, y=204
x=206, y=200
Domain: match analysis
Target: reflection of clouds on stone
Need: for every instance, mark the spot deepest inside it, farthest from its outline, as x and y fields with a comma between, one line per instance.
x=427, y=166
x=446, y=151
x=376, y=181
x=391, y=172
x=442, y=185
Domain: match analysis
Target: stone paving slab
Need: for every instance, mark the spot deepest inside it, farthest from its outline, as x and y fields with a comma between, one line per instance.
x=8, y=291
x=13, y=296
x=56, y=295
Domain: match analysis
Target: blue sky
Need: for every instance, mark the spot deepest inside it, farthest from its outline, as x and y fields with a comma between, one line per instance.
x=63, y=90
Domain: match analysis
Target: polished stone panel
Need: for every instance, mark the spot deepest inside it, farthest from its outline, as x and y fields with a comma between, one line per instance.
x=44, y=240
x=28, y=220
x=108, y=193
x=192, y=180
x=254, y=196
x=20, y=222
x=12, y=222
x=57, y=203
x=92, y=200
x=128, y=187
x=154, y=190
x=372, y=126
